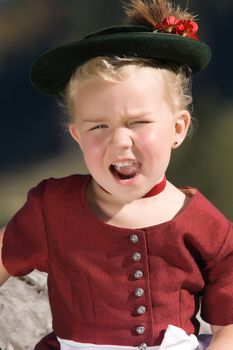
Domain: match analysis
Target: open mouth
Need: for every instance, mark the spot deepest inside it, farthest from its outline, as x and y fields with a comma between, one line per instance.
x=125, y=170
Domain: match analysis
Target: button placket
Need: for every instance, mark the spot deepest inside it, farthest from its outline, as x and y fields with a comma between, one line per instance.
x=138, y=292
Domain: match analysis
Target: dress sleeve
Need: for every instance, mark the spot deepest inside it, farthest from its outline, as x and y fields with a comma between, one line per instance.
x=24, y=243
x=217, y=302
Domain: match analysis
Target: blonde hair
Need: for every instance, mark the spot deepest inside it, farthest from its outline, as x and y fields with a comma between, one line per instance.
x=177, y=79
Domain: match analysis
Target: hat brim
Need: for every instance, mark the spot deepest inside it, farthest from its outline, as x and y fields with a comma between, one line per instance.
x=52, y=71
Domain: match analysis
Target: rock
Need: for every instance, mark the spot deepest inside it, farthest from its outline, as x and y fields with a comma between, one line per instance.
x=25, y=313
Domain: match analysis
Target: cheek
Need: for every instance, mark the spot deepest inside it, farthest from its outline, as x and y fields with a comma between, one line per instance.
x=156, y=140
x=92, y=148
x=148, y=136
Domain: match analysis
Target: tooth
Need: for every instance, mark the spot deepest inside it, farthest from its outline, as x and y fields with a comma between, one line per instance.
x=124, y=164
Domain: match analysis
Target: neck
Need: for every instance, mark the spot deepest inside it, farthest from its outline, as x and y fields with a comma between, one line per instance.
x=100, y=195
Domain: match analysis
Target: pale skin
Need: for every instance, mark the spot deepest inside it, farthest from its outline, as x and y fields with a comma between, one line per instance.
x=128, y=128
x=3, y=272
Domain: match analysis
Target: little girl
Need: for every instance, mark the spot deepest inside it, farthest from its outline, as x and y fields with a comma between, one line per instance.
x=128, y=254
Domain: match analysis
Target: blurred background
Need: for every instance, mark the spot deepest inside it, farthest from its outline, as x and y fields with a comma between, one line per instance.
x=34, y=142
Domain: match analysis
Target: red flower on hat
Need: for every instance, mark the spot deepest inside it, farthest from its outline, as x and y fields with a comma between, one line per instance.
x=187, y=28
x=168, y=25
x=173, y=25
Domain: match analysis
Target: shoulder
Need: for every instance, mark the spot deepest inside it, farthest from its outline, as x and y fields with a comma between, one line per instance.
x=203, y=225
x=53, y=198
x=201, y=212
x=52, y=192
x=60, y=185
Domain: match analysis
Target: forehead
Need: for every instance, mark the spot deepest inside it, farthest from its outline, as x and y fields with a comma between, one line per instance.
x=139, y=85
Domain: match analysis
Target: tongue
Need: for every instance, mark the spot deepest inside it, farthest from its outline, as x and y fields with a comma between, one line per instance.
x=126, y=171
x=130, y=170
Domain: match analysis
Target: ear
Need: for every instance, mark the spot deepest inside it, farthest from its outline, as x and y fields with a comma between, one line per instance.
x=74, y=132
x=181, y=126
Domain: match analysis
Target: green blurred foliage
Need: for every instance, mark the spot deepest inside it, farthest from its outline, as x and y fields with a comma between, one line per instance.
x=24, y=23
x=205, y=159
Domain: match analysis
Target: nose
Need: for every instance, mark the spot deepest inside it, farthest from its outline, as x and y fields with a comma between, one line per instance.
x=122, y=138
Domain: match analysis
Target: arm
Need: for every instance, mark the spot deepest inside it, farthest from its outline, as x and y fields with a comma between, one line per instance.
x=3, y=273
x=222, y=337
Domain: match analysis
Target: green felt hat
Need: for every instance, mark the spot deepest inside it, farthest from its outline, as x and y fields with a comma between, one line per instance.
x=52, y=71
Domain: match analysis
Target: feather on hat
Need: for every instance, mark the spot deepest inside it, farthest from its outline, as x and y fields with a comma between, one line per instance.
x=150, y=13
x=157, y=30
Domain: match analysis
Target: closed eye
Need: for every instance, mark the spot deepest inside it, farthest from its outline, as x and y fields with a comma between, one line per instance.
x=141, y=122
x=99, y=126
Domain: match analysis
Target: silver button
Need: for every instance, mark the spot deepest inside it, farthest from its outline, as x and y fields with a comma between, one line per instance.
x=136, y=256
x=142, y=346
x=140, y=329
x=134, y=238
x=141, y=309
x=138, y=274
x=139, y=292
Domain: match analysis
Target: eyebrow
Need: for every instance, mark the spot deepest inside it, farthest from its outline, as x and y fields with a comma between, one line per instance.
x=94, y=120
x=142, y=114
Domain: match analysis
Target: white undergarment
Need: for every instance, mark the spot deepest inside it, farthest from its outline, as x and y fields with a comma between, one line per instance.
x=174, y=339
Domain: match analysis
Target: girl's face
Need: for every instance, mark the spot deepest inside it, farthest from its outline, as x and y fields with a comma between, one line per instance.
x=126, y=131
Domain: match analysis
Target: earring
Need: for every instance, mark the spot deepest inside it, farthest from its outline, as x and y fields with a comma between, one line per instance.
x=175, y=143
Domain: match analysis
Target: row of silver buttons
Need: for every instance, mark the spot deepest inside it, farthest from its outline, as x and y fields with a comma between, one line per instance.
x=139, y=292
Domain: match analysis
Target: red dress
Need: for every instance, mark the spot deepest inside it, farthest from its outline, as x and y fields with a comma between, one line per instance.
x=111, y=285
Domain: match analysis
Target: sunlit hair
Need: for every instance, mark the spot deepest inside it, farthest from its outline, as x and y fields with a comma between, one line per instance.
x=177, y=79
